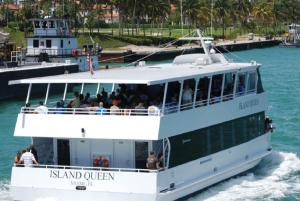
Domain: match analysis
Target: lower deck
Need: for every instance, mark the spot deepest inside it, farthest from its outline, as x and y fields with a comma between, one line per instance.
x=74, y=182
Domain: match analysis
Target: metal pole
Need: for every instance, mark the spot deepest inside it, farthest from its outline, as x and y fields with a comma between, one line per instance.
x=28, y=94
x=47, y=93
x=66, y=88
x=211, y=16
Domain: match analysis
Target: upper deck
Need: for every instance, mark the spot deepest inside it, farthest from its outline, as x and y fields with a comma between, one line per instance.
x=217, y=99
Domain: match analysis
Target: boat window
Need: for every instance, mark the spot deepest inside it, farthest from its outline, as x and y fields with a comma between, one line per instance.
x=240, y=88
x=44, y=24
x=48, y=43
x=210, y=140
x=251, y=82
x=51, y=24
x=228, y=86
x=61, y=43
x=216, y=88
x=203, y=87
x=37, y=24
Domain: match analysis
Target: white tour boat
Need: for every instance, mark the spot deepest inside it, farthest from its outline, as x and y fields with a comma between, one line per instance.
x=52, y=41
x=219, y=133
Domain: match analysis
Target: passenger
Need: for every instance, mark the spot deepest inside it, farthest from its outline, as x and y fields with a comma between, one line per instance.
x=217, y=98
x=28, y=159
x=17, y=158
x=76, y=102
x=89, y=99
x=140, y=109
x=153, y=110
x=34, y=152
x=23, y=151
x=126, y=111
x=241, y=86
x=58, y=108
x=27, y=110
x=114, y=109
x=267, y=124
x=187, y=96
x=152, y=162
x=271, y=128
x=101, y=110
x=41, y=109
x=161, y=161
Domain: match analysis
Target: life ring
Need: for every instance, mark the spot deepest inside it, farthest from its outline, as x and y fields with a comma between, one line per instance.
x=75, y=53
x=101, y=162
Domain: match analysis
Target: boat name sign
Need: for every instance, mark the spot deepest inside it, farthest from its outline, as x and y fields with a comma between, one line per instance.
x=248, y=104
x=88, y=176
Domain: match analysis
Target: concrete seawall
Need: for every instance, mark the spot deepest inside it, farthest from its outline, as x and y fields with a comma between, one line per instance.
x=165, y=54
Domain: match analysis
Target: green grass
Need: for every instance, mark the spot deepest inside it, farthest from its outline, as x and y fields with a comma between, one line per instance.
x=15, y=36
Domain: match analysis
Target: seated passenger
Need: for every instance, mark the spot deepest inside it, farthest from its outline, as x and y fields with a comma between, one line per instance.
x=101, y=110
x=241, y=86
x=59, y=107
x=41, y=109
x=216, y=99
x=114, y=109
x=140, y=109
x=27, y=110
x=153, y=110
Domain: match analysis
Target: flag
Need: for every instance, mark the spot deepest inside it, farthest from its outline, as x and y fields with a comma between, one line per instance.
x=88, y=59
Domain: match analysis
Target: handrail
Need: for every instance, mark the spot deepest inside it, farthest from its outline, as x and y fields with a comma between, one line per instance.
x=169, y=108
x=61, y=51
x=90, y=168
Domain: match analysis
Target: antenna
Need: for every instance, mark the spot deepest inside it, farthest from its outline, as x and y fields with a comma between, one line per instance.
x=41, y=14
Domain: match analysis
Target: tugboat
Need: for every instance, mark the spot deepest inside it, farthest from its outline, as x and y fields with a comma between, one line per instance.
x=291, y=37
x=206, y=121
x=52, y=41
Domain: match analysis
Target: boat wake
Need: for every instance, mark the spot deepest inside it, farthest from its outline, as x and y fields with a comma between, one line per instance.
x=5, y=194
x=275, y=176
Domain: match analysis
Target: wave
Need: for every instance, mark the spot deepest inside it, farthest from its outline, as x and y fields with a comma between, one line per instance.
x=275, y=177
x=5, y=194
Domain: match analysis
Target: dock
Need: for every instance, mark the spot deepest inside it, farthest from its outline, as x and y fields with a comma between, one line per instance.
x=169, y=53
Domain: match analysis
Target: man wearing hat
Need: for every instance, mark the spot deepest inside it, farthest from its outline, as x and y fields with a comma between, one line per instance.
x=114, y=109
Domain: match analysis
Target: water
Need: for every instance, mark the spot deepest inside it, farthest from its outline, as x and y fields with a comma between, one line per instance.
x=277, y=177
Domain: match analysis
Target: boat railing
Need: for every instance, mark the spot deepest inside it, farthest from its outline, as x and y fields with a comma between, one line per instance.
x=61, y=51
x=90, y=168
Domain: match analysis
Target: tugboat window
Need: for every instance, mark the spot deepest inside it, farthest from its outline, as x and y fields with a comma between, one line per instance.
x=37, y=24
x=44, y=24
x=61, y=43
x=48, y=43
x=51, y=24
x=35, y=43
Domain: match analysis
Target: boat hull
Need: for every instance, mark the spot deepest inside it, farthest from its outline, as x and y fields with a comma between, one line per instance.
x=129, y=186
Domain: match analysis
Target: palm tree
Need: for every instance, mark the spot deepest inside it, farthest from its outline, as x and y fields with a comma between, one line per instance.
x=262, y=13
x=221, y=7
x=241, y=8
x=99, y=13
x=191, y=9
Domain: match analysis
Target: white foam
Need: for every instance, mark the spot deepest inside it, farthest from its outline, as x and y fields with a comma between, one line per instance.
x=5, y=194
x=271, y=179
